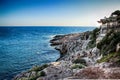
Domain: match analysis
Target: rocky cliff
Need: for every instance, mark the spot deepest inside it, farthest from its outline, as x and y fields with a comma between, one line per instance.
x=74, y=56
x=76, y=61
x=70, y=44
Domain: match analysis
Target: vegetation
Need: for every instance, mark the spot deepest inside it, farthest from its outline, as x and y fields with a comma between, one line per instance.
x=24, y=78
x=112, y=39
x=39, y=74
x=79, y=66
x=93, y=37
x=108, y=44
x=112, y=57
x=117, y=12
x=42, y=73
x=33, y=78
x=28, y=78
x=39, y=68
x=81, y=61
x=106, y=58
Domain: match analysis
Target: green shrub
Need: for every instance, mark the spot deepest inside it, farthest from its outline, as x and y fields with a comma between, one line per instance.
x=93, y=37
x=118, y=62
x=91, y=44
x=39, y=68
x=82, y=61
x=108, y=43
x=105, y=58
x=79, y=66
x=42, y=73
x=117, y=12
x=114, y=57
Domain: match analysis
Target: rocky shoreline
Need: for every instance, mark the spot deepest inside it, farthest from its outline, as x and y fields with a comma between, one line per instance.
x=68, y=45
x=75, y=62
x=71, y=47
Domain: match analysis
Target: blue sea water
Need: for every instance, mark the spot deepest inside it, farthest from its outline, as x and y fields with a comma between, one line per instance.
x=23, y=47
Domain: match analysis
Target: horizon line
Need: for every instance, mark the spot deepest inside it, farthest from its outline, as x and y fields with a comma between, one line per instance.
x=45, y=26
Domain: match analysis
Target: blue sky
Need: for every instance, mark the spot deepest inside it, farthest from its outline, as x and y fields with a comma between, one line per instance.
x=55, y=12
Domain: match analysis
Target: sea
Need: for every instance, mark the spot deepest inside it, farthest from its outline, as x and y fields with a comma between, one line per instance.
x=22, y=47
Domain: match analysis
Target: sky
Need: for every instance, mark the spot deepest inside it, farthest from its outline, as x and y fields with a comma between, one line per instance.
x=55, y=12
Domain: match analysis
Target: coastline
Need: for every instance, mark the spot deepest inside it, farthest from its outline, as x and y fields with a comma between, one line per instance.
x=75, y=61
x=62, y=41
x=36, y=53
x=87, y=55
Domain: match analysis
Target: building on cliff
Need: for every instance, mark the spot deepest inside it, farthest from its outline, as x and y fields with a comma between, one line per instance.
x=107, y=24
